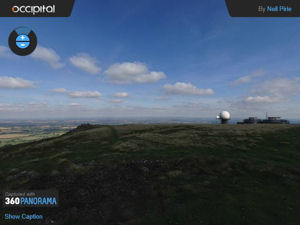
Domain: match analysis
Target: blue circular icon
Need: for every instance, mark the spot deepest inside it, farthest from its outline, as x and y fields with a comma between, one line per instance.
x=23, y=41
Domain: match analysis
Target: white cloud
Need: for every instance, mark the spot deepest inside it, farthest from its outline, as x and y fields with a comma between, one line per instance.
x=74, y=104
x=60, y=90
x=86, y=63
x=15, y=83
x=121, y=95
x=117, y=101
x=10, y=108
x=262, y=99
x=78, y=94
x=128, y=73
x=162, y=98
x=5, y=52
x=47, y=55
x=84, y=94
x=181, y=88
x=249, y=78
x=279, y=87
x=274, y=91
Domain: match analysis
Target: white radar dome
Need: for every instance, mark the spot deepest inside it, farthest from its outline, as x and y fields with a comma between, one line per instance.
x=225, y=115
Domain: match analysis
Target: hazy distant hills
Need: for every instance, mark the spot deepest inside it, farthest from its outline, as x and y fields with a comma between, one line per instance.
x=163, y=174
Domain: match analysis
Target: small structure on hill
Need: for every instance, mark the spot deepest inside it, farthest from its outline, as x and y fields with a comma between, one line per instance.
x=224, y=117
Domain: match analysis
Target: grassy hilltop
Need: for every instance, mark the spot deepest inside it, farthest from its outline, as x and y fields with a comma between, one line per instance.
x=163, y=174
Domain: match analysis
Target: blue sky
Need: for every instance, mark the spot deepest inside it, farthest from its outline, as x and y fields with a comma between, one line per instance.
x=152, y=58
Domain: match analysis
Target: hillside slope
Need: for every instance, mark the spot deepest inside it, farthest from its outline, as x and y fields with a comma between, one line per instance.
x=163, y=174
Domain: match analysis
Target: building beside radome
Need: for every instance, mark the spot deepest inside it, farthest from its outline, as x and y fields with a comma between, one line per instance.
x=268, y=120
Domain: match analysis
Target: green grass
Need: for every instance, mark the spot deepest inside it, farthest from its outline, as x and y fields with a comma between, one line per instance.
x=192, y=174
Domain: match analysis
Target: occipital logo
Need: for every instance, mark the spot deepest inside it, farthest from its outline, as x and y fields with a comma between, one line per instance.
x=33, y=9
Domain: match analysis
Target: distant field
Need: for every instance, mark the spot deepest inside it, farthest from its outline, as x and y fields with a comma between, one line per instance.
x=11, y=136
x=14, y=134
x=15, y=139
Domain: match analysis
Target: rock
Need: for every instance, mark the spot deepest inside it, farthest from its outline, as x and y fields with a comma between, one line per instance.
x=9, y=178
x=13, y=171
x=24, y=175
x=145, y=169
x=92, y=163
x=175, y=173
x=33, y=174
x=55, y=173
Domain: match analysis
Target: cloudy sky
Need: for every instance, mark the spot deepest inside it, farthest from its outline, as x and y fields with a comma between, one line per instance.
x=140, y=58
